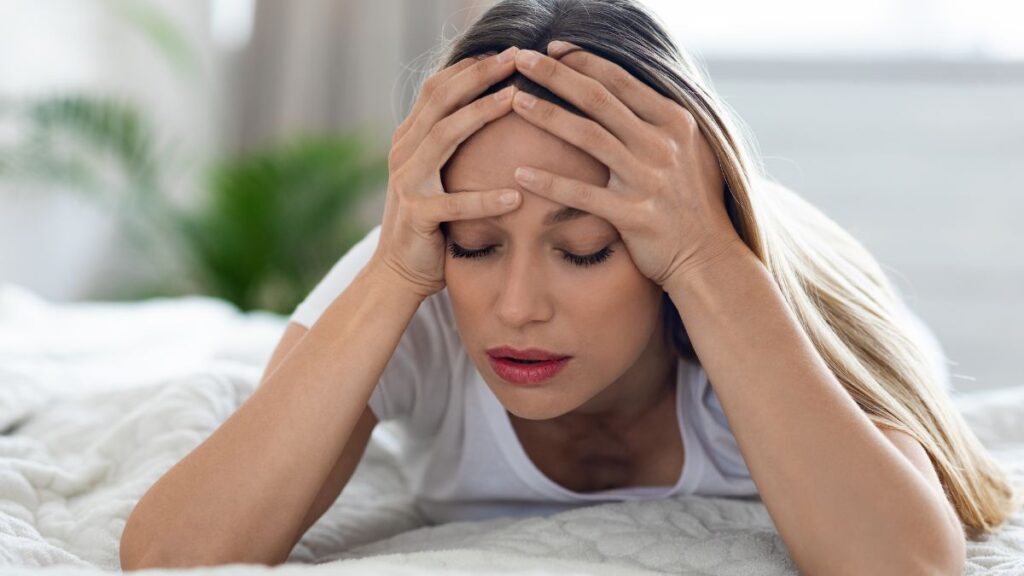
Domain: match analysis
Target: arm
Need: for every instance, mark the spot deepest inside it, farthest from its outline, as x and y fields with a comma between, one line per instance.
x=245, y=492
x=844, y=494
x=350, y=456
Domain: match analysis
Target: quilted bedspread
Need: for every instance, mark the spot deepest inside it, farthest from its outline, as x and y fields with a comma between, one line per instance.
x=98, y=400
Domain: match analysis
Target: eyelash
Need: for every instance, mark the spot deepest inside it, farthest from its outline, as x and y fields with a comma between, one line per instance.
x=582, y=261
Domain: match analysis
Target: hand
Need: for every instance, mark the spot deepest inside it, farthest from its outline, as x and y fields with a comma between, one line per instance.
x=411, y=244
x=665, y=194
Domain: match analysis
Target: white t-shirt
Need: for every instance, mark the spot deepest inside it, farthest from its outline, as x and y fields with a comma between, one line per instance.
x=460, y=453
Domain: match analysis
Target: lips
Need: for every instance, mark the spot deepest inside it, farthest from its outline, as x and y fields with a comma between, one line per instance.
x=525, y=356
x=531, y=366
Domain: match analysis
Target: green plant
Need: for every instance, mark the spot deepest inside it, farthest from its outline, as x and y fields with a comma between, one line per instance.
x=275, y=221
x=269, y=225
x=100, y=147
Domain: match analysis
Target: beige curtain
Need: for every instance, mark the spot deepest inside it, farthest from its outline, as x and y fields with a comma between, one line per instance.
x=329, y=65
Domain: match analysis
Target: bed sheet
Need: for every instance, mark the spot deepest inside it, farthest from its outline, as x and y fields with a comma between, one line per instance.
x=98, y=400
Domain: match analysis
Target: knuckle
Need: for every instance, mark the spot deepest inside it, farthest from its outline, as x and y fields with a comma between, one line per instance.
x=621, y=81
x=483, y=69
x=578, y=59
x=493, y=66
x=483, y=104
x=427, y=88
x=673, y=147
x=645, y=208
x=397, y=180
x=548, y=68
x=439, y=95
x=598, y=98
x=433, y=80
x=453, y=206
x=543, y=111
x=393, y=158
x=683, y=118
x=593, y=132
x=439, y=132
x=664, y=149
x=581, y=193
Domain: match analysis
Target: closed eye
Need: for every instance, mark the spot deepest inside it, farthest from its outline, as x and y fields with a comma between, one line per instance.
x=582, y=261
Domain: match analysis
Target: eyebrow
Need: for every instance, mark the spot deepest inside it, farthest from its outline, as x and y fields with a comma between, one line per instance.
x=557, y=216
x=564, y=215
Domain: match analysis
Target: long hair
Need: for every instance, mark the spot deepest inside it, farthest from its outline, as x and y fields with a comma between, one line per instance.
x=831, y=283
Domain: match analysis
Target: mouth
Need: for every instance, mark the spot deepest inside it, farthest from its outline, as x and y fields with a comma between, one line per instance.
x=525, y=357
x=530, y=366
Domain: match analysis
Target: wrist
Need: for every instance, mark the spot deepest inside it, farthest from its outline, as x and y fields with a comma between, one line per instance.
x=387, y=279
x=703, y=264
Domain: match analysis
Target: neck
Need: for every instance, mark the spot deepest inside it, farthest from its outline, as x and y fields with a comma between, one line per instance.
x=637, y=393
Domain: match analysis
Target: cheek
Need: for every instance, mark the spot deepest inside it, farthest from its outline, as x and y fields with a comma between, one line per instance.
x=470, y=288
x=614, y=312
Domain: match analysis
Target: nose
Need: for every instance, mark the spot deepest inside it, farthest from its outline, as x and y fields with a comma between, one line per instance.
x=523, y=298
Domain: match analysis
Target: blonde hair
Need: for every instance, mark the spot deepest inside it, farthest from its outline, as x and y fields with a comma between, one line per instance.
x=832, y=285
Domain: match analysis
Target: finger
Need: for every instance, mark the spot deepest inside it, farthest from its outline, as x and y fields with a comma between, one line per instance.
x=585, y=134
x=584, y=196
x=445, y=207
x=446, y=135
x=428, y=87
x=643, y=100
x=460, y=90
x=587, y=94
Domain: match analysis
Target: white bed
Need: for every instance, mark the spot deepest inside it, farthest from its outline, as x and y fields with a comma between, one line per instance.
x=98, y=400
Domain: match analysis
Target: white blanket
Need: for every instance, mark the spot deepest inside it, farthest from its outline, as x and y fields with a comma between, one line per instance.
x=98, y=400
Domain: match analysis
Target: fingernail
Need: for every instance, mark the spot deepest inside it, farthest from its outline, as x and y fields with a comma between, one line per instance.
x=507, y=54
x=556, y=47
x=509, y=198
x=527, y=100
x=503, y=94
x=529, y=58
x=524, y=175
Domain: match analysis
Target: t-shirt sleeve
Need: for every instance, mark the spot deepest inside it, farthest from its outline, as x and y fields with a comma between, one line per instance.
x=722, y=448
x=415, y=383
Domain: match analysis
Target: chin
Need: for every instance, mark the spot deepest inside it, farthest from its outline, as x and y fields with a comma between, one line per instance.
x=538, y=414
x=533, y=408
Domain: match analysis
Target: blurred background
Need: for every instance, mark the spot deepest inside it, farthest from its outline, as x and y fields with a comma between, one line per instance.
x=237, y=148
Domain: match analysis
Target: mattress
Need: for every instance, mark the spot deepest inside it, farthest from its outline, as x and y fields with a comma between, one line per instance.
x=99, y=399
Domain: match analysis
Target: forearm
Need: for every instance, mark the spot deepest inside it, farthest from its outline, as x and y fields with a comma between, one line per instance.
x=241, y=495
x=843, y=499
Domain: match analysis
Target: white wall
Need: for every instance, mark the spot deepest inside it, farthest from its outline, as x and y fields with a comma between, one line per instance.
x=55, y=242
x=922, y=162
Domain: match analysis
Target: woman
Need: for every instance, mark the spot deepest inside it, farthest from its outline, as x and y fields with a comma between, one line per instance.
x=649, y=316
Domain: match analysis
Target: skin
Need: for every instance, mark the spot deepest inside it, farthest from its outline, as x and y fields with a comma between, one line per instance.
x=525, y=294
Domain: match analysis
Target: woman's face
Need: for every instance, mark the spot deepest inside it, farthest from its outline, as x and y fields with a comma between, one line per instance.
x=522, y=292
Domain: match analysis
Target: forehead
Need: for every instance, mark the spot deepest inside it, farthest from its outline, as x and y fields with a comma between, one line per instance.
x=488, y=159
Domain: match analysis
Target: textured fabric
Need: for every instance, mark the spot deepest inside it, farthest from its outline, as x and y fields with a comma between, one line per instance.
x=99, y=400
